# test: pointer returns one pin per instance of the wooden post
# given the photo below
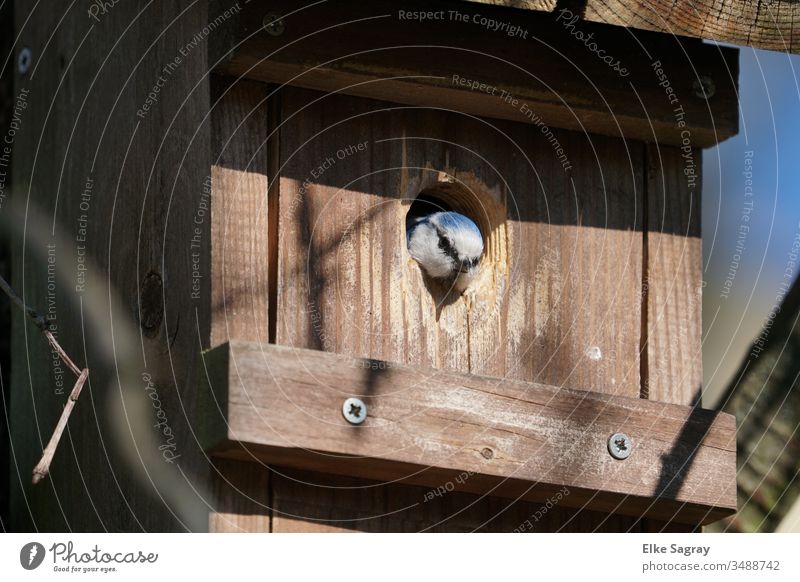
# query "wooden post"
(120, 176)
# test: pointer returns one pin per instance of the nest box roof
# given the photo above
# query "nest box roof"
(766, 25)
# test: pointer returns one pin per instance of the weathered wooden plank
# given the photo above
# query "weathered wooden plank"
(768, 25)
(673, 284)
(120, 178)
(534, 69)
(239, 212)
(558, 295)
(335, 503)
(241, 497)
(674, 279)
(6, 113)
(516, 439)
(574, 302)
(557, 301)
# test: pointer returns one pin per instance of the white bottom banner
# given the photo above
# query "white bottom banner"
(333, 557)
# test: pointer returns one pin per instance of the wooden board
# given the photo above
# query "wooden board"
(545, 312)
(765, 25)
(333, 503)
(239, 211)
(283, 405)
(674, 277)
(85, 86)
(238, 207)
(333, 293)
(6, 112)
(241, 497)
(673, 322)
(560, 289)
(542, 72)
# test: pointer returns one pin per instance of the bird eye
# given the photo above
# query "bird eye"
(444, 244)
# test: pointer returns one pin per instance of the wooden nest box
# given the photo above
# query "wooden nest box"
(579, 160)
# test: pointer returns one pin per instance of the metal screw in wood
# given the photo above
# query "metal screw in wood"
(354, 410)
(24, 59)
(273, 24)
(704, 87)
(620, 445)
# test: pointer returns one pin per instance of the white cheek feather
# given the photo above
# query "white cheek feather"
(467, 243)
(423, 246)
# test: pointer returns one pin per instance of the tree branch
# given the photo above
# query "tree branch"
(43, 466)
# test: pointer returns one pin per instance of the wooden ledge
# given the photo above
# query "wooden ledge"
(283, 406)
(534, 68)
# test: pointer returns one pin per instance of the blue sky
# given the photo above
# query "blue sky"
(770, 128)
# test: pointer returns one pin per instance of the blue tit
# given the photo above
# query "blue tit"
(447, 245)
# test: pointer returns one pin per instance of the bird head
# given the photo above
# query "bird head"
(447, 245)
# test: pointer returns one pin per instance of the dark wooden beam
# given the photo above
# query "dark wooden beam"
(536, 68)
(95, 150)
(283, 406)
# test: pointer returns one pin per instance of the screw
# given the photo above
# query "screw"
(273, 24)
(24, 60)
(620, 445)
(704, 87)
(487, 453)
(354, 411)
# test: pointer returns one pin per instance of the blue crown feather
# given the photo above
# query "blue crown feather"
(455, 220)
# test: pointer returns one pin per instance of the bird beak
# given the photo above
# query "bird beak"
(467, 266)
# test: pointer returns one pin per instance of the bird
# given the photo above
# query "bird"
(447, 245)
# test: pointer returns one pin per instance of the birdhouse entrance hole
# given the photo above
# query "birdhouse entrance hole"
(465, 194)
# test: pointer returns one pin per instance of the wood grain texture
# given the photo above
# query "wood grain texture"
(558, 294)
(85, 86)
(371, 50)
(542, 307)
(765, 25)
(515, 439)
(673, 284)
(240, 250)
(241, 496)
(6, 113)
(239, 211)
(674, 277)
(574, 301)
(334, 503)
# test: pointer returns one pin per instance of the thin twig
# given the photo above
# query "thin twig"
(61, 353)
(41, 470)
(38, 320)
(43, 467)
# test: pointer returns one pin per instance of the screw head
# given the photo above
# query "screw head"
(354, 410)
(24, 60)
(704, 87)
(273, 24)
(620, 445)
